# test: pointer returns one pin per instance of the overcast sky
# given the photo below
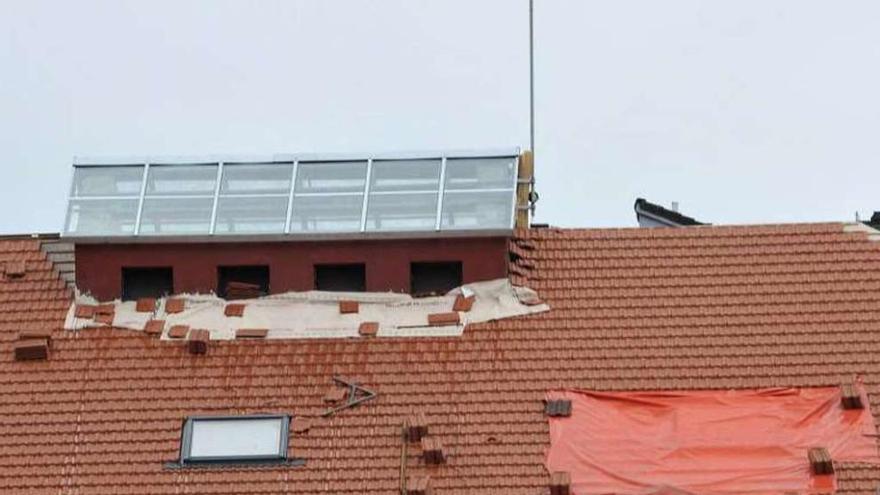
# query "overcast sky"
(745, 111)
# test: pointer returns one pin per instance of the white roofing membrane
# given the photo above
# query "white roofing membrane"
(316, 315)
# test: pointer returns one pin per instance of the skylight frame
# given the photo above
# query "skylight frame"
(186, 441)
(321, 226)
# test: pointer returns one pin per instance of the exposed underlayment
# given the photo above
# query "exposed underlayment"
(873, 234)
(316, 314)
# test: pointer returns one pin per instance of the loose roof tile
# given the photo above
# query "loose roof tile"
(15, 268)
(463, 303)
(631, 309)
(300, 425)
(368, 329)
(154, 327)
(174, 306)
(820, 461)
(560, 483)
(86, 311)
(416, 427)
(432, 451)
(236, 310)
(450, 318)
(104, 318)
(197, 341)
(105, 309)
(145, 305)
(419, 484)
(348, 307)
(251, 333)
(178, 331)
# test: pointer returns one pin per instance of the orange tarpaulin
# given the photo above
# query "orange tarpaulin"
(706, 442)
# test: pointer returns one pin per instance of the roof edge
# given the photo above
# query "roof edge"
(661, 215)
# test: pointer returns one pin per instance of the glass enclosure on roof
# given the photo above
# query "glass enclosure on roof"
(311, 195)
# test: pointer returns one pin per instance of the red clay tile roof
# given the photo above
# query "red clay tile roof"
(691, 308)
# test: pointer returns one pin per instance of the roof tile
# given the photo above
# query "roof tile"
(86, 311)
(145, 305)
(178, 331)
(197, 341)
(348, 307)
(368, 329)
(251, 333)
(631, 309)
(236, 310)
(175, 305)
(450, 318)
(104, 318)
(154, 327)
(463, 303)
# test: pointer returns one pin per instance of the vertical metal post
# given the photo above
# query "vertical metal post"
(140, 210)
(290, 197)
(216, 198)
(366, 203)
(440, 191)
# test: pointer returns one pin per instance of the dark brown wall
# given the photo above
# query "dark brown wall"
(291, 264)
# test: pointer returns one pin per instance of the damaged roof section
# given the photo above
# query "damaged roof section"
(315, 314)
(744, 441)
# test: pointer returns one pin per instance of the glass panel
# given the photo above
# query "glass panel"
(327, 213)
(327, 177)
(107, 181)
(179, 180)
(251, 215)
(402, 211)
(257, 179)
(480, 173)
(405, 175)
(176, 216)
(102, 217)
(236, 437)
(477, 210)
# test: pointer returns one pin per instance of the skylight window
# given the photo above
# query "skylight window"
(312, 195)
(232, 439)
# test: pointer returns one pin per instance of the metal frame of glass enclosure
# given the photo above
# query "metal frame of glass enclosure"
(293, 196)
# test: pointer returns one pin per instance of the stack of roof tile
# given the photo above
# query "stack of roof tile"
(690, 308)
(242, 290)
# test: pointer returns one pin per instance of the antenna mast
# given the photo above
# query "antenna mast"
(531, 76)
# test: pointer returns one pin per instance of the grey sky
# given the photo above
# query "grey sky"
(747, 111)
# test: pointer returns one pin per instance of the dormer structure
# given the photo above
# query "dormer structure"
(414, 223)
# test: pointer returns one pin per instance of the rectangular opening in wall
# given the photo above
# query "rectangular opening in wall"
(234, 439)
(242, 282)
(140, 282)
(350, 277)
(434, 278)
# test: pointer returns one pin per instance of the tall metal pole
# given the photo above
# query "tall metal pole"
(532, 76)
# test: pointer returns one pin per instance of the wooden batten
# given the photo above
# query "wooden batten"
(525, 174)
